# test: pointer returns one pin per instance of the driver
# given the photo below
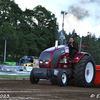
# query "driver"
(73, 48)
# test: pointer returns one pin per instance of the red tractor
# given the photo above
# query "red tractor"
(55, 65)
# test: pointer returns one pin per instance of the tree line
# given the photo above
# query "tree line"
(29, 32)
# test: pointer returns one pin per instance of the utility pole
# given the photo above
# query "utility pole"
(5, 38)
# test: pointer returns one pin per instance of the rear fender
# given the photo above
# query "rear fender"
(78, 56)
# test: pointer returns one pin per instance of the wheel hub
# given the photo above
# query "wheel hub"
(89, 72)
(64, 78)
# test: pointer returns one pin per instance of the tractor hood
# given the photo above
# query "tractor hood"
(53, 49)
(50, 57)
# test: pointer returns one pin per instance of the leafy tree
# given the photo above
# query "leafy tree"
(6, 30)
(46, 26)
(10, 15)
(40, 30)
(10, 12)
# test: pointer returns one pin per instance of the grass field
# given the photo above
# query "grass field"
(13, 76)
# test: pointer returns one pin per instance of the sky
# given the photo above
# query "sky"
(83, 15)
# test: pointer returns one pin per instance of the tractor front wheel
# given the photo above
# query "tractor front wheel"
(84, 72)
(62, 78)
(32, 79)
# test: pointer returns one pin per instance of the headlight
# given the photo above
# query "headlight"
(46, 62)
(41, 62)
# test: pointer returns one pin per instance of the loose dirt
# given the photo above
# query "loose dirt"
(11, 89)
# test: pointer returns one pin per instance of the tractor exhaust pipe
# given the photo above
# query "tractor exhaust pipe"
(56, 44)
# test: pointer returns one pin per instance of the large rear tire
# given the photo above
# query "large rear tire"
(84, 72)
(32, 79)
(62, 78)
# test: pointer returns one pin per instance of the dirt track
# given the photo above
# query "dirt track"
(24, 90)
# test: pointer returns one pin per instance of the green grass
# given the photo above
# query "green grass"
(13, 76)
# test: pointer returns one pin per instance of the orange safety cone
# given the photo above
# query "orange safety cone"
(97, 76)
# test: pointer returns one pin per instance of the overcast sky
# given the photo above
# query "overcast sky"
(83, 15)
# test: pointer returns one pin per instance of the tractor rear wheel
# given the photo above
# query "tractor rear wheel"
(32, 79)
(62, 78)
(84, 72)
